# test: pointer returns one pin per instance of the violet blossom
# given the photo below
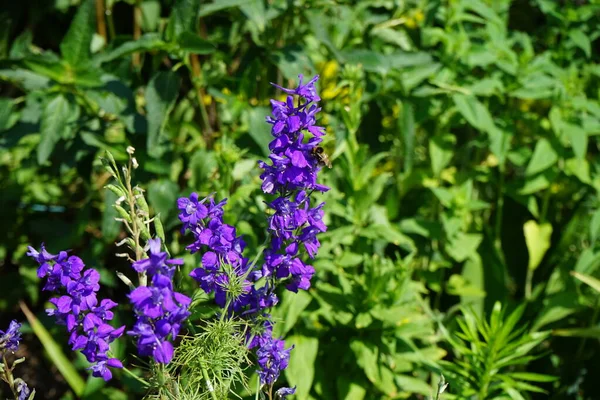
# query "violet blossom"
(78, 308)
(159, 310)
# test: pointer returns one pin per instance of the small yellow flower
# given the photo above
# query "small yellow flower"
(254, 101)
(330, 70)
(419, 16)
(207, 99)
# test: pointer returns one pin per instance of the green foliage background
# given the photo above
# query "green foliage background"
(463, 218)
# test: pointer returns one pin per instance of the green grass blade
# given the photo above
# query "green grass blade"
(54, 351)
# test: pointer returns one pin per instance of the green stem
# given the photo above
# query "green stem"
(499, 210)
(134, 376)
(209, 385)
(528, 283)
(9, 378)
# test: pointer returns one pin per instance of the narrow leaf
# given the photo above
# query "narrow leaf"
(54, 352)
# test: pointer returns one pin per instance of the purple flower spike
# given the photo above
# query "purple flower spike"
(77, 308)
(159, 309)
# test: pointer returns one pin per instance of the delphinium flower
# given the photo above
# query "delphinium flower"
(222, 251)
(293, 225)
(294, 222)
(292, 178)
(159, 310)
(78, 308)
(9, 342)
(9, 339)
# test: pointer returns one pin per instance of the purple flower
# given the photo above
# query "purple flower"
(77, 307)
(101, 370)
(160, 310)
(273, 358)
(284, 392)
(10, 339)
(23, 390)
(222, 252)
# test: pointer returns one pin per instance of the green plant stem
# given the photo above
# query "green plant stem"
(528, 283)
(134, 218)
(134, 376)
(209, 385)
(499, 210)
(9, 378)
(111, 23)
(591, 325)
(193, 64)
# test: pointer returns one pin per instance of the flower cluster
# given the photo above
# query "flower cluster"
(223, 250)
(272, 355)
(292, 176)
(10, 339)
(79, 309)
(293, 224)
(160, 311)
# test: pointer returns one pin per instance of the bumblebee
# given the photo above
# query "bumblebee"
(321, 156)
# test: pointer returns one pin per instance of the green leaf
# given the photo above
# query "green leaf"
(110, 227)
(588, 280)
(75, 46)
(184, 18)
(537, 238)
(161, 94)
(150, 15)
(148, 42)
(412, 385)
(543, 158)
(28, 80)
(595, 226)
(292, 305)
(293, 61)
(258, 129)
(582, 41)
(441, 149)
(255, 11)
(193, 43)
(407, 129)
(55, 353)
(162, 194)
(218, 5)
(464, 245)
(6, 108)
(578, 139)
(53, 127)
(301, 369)
(366, 357)
(578, 332)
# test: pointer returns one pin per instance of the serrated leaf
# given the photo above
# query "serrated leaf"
(161, 94)
(53, 127)
(75, 46)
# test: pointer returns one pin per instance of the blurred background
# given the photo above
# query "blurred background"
(463, 217)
